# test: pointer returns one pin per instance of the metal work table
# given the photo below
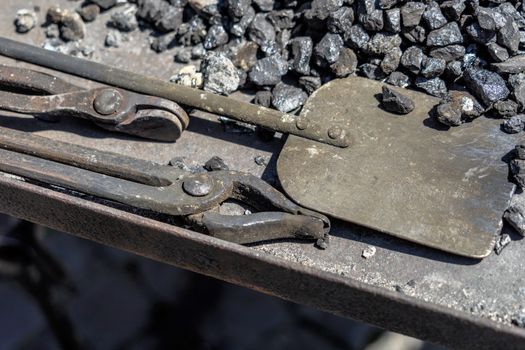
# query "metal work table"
(459, 302)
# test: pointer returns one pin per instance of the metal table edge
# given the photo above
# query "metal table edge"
(253, 269)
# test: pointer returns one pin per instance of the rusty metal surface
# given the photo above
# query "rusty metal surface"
(403, 175)
(405, 287)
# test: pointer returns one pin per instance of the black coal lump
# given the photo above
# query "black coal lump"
(302, 48)
(487, 86)
(395, 102)
(287, 98)
(327, 50)
(268, 71)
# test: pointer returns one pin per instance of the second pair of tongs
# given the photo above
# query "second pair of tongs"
(50, 98)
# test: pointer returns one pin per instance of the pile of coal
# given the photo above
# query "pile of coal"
(468, 53)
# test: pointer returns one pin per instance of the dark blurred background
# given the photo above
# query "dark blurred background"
(62, 292)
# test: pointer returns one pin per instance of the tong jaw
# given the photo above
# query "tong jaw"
(277, 216)
(111, 108)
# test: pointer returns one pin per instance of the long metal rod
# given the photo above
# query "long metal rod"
(221, 105)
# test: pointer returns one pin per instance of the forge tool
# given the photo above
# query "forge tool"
(195, 198)
(404, 176)
(50, 98)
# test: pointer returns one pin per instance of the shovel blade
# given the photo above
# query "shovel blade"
(402, 175)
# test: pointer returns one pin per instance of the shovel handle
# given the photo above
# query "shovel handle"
(194, 98)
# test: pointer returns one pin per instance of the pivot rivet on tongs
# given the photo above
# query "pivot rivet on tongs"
(197, 187)
(107, 101)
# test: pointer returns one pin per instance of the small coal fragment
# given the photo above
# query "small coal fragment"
(161, 43)
(71, 26)
(302, 48)
(287, 98)
(310, 84)
(497, 53)
(464, 102)
(215, 164)
(519, 319)
(412, 12)
(239, 28)
(219, 74)
(435, 86)
(346, 63)
(125, 19)
(454, 70)
(447, 114)
(340, 21)
(398, 79)
(515, 214)
(415, 35)
(382, 43)
(263, 98)
(449, 34)
(198, 51)
(448, 53)
(217, 36)
(391, 60)
(260, 160)
(488, 86)
(268, 71)
(283, 19)
(113, 39)
(368, 252)
(501, 243)
(393, 20)
(356, 37)
(25, 20)
(433, 17)
(505, 108)
(489, 18)
(52, 31)
(370, 15)
(517, 83)
(509, 36)
(479, 35)
(244, 56)
(433, 67)
(180, 163)
(183, 56)
(513, 125)
(517, 170)
(520, 151)
(372, 71)
(513, 65)
(261, 31)
(238, 8)
(328, 49)
(412, 59)
(395, 102)
(89, 12)
(453, 9)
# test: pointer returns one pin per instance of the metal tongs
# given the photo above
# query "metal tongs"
(50, 98)
(196, 198)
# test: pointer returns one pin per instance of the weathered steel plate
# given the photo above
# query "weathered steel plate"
(402, 175)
